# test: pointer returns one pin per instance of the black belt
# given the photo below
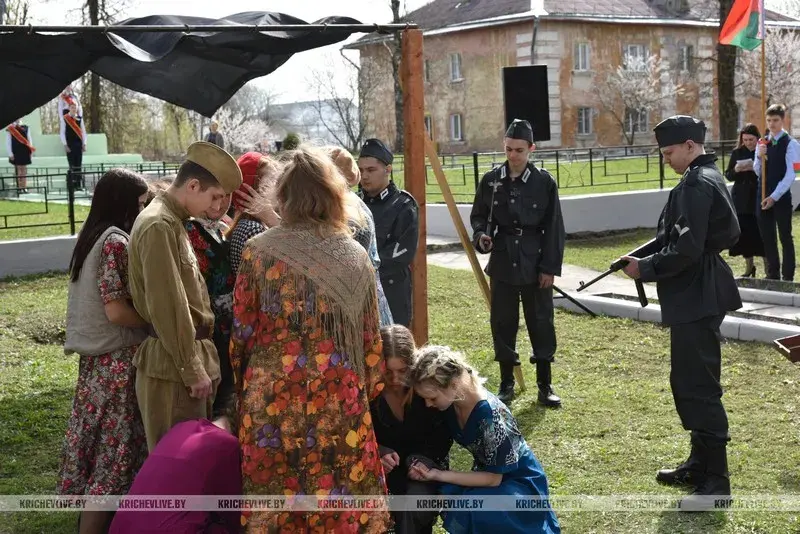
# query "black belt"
(201, 332)
(519, 230)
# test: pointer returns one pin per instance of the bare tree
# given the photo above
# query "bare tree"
(782, 61)
(253, 102)
(634, 89)
(340, 107)
(16, 11)
(726, 80)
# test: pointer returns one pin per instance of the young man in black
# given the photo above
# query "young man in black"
(696, 289)
(516, 216)
(396, 226)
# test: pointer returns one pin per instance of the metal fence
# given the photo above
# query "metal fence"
(589, 170)
(50, 187)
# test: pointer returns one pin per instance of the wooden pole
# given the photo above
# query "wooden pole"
(411, 69)
(764, 114)
(463, 236)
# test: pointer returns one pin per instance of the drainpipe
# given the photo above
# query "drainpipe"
(533, 39)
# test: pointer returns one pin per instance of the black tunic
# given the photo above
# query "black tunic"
(423, 431)
(527, 226)
(697, 223)
(21, 152)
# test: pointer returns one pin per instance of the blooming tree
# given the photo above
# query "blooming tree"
(782, 60)
(241, 134)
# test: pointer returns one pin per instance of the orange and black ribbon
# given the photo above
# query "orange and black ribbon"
(16, 134)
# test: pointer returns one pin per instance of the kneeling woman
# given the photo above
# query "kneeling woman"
(405, 428)
(503, 462)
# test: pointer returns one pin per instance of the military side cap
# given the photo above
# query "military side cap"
(679, 129)
(375, 148)
(219, 163)
(520, 129)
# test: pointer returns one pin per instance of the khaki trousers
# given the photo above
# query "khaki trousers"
(163, 404)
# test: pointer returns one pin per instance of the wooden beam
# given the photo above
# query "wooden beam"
(466, 242)
(411, 74)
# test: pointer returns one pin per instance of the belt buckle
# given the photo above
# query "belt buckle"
(517, 232)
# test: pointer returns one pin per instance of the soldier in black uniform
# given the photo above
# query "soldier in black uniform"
(517, 216)
(696, 289)
(396, 226)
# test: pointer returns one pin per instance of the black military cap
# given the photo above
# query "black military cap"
(520, 129)
(375, 148)
(679, 129)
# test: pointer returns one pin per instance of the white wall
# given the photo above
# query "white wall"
(585, 213)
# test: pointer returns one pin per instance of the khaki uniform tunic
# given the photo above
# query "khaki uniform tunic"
(169, 293)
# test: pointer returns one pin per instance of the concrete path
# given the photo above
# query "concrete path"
(598, 298)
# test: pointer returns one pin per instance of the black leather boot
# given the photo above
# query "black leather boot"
(715, 491)
(544, 377)
(690, 473)
(506, 393)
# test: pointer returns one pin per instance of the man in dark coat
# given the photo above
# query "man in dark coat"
(696, 288)
(396, 226)
(516, 216)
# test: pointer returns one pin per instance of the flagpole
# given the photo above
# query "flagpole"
(764, 110)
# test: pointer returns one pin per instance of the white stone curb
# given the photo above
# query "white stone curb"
(732, 327)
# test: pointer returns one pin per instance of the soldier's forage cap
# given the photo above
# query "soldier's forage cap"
(520, 129)
(375, 148)
(679, 129)
(218, 162)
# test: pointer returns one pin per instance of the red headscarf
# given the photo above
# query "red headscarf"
(248, 164)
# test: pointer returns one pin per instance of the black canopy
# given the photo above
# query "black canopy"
(198, 70)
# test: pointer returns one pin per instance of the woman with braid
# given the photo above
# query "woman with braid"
(503, 464)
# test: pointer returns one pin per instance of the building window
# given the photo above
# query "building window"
(581, 58)
(427, 73)
(636, 120)
(584, 121)
(455, 68)
(634, 57)
(456, 133)
(685, 58)
(429, 126)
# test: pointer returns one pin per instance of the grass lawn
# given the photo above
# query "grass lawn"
(617, 427)
(598, 252)
(15, 213)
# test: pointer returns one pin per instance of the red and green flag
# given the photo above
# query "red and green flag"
(744, 26)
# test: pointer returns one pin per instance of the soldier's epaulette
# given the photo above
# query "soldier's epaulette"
(409, 195)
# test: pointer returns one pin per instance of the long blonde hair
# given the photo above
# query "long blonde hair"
(312, 192)
(346, 166)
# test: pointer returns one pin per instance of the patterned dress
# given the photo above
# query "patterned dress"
(242, 232)
(213, 259)
(306, 355)
(105, 443)
(492, 437)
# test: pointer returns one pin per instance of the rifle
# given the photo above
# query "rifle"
(640, 252)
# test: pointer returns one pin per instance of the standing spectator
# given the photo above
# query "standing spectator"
(306, 357)
(745, 195)
(73, 137)
(215, 136)
(19, 145)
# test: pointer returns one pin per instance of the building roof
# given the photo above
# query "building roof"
(456, 15)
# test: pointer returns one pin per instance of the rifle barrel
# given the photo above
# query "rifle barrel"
(583, 285)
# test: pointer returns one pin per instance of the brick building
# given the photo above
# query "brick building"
(467, 42)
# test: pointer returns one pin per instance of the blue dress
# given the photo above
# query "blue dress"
(497, 446)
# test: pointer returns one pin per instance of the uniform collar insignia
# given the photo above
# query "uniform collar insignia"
(503, 172)
(384, 193)
(525, 176)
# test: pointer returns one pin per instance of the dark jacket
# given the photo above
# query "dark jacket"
(698, 222)
(526, 224)
(745, 184)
